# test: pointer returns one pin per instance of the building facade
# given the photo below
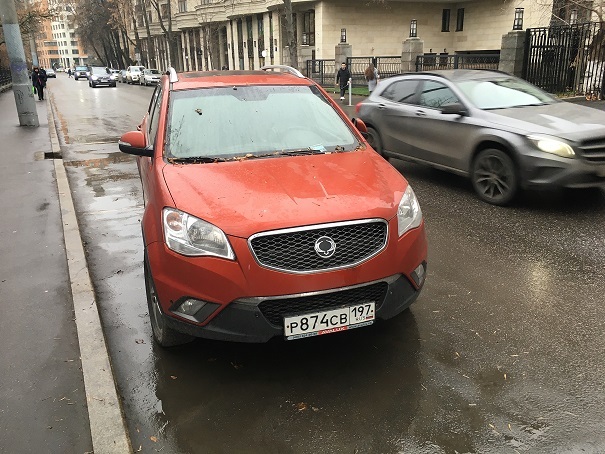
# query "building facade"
(246, 34)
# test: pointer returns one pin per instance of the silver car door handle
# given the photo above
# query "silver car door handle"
(420, 113)
(381, 106)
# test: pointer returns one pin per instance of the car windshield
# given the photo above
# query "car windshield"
(154, 71)
(98, 70)
(81, 68)
(254, 120)
(503, 93)
(135, 70)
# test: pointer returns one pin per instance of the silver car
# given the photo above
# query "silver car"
(502, 132)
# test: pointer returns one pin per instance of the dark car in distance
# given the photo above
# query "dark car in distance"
(81, 72)
(501, 131)
(101, 76)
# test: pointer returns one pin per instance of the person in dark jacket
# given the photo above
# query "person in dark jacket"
(39, 81)
(342, 78)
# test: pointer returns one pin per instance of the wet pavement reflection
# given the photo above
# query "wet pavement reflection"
(501, 353)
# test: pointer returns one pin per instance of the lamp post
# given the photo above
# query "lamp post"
(343, 35)
(413, 28)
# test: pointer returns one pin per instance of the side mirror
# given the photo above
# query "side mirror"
(454, 109)
(361, 127)
(133, 142)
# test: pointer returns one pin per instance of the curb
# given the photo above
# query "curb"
(107, 423)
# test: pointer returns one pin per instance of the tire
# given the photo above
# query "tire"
(375, 141)
(113, 85)
(494, 177)
(163, 335)
(76, 78)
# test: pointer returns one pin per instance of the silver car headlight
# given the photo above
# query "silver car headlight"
(94, 77)
(409, 214)
(188, 235)
(552, 145)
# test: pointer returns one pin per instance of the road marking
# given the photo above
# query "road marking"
(107, 424)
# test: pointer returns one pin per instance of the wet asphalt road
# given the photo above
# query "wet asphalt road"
(502, 352)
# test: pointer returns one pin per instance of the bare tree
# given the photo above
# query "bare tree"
(291, 40)
(171, 37)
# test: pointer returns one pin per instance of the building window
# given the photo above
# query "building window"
(250, 39)
(182, 6)
(164, 10)
(74, 51)
(308, 35)
(149, 17)
(445, 20)
(261, 34)
(460, 20)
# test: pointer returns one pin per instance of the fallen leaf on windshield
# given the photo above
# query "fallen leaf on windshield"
(301, 406)
(173, 377)
(154, 439)
(236, 366)
(140, 341)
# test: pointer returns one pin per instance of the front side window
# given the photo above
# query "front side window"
(436, 95)
(402, 91)
(154, 114)
(254, 120)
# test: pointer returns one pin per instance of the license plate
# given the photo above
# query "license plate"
(327, 322)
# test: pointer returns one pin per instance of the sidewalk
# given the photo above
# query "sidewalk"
(43, 406)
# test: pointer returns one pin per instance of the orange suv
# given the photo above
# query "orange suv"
(267, 213)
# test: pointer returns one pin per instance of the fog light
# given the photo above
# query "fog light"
(419, 274)
(190, 307)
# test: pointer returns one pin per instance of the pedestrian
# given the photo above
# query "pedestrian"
(69, 72)
(39, 81)
(372, 77)
(343, 77)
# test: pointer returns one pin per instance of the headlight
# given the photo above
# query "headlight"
(409, 214)
(551, 145)
(112, 77)
(94, 77)
(191, 236)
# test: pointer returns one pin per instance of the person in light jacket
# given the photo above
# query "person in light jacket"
(371, 74)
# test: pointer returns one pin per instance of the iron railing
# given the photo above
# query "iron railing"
(431, 62)
(322, 71)
(568, 59)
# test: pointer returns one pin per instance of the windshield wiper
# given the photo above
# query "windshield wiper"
(196, 160)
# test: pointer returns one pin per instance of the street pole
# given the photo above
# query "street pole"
(22, 87)
(32, 45)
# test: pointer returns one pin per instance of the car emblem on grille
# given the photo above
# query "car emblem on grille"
(325, 247)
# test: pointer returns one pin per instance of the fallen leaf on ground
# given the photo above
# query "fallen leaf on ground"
(301, 406)
(154, 439)
(173, 377)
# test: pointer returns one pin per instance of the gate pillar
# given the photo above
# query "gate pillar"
(512, 53)
(412, 48)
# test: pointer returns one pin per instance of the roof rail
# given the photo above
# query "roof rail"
(285, 68)
(171, 72)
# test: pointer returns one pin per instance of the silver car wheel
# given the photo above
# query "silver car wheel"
(494, 177)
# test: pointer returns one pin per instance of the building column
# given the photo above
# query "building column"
(196, 46)
(221, 45)
(512, 53)
(412, 48)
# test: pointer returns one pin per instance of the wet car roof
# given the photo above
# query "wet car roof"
(228, 78)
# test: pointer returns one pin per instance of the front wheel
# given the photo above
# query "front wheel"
(162, 333)
(375, 141)
(494, 177)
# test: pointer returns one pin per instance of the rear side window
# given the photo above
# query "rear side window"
(402, 91)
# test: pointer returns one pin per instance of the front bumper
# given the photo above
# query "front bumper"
(244, 321)
(238, 292)
(541, 169)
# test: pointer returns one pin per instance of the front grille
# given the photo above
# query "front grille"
(593, 150)
(294, 250)
(275, 310)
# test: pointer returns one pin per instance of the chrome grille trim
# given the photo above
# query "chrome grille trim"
(320, 227)
(593, 150)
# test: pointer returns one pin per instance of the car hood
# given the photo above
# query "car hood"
(250, 196)
(562, 119)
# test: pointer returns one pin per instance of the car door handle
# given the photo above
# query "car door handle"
(381, 106)
(420, 113)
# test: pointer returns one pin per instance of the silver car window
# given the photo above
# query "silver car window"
(435, 95)
(402, 91)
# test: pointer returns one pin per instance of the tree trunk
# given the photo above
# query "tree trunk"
(150, 42)
(137, 38)
(290, 36)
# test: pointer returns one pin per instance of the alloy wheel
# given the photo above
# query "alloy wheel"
(494, 177)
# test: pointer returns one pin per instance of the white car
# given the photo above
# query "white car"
(150, 77)
(133, 74)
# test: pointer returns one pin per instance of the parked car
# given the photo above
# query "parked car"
(100, 75)
(122, 76)
(50, 73)
(502, 132)
(267, 213)
(150, 77)
(60, 69)
(115, 73)
(133, 74)
(81, 72)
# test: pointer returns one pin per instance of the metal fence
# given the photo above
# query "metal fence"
(322, 71)
(566, 59)
(431, 62)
